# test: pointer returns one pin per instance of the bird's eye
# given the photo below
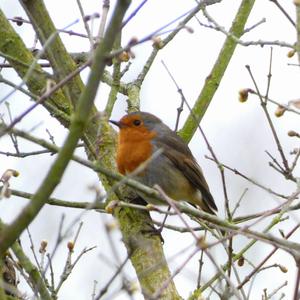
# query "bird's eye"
(136, 122)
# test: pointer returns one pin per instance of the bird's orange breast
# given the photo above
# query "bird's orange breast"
(134, 147)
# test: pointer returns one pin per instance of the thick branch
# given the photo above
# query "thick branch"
(61, 62)
(85, 105)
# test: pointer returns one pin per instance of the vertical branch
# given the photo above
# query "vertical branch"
(2, 291)
(297, 5)
(297, 283)
(201, 263)
(116, 76)
(105, 9)
(179, 90)
(277, 141)
(269, 76)
(86, 25)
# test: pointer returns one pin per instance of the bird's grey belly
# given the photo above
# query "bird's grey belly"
(163, 173)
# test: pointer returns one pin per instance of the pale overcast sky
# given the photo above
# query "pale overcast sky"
(238, 133)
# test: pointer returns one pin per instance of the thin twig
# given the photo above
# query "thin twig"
(258, 267)
(235, 171)
(172, 204)
(237, 205)
(70, 32)
(269, 74)
(295, 161)
(245, 43)
(286, 107)
(135, 11)
(284, 12)
(277, 141)
(45, 96)
(59, 238)
(297, 283)
(51, 272)
(179, 90)
(86, 25)
(111, 280)
(11, 134)
(26, 154)
(279, 167)
(105, 9)
(33, 250)
(269, 296)
(201, 263)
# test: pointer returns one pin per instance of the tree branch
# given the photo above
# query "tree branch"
(80, 118)
(32, 271)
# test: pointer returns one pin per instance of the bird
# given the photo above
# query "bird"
(175, 170)
(9, 277)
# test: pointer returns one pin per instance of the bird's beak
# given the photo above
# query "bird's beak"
(116, 123)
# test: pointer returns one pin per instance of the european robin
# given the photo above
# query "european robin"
(175, 170)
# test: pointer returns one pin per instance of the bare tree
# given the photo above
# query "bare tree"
(51, 78)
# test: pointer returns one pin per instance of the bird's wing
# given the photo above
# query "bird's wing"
(180, 155)
(194, 174)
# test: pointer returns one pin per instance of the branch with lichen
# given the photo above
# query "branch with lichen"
(61, 62)
(140, 256)
(134, 218)
(115, 84)
(85, 104)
